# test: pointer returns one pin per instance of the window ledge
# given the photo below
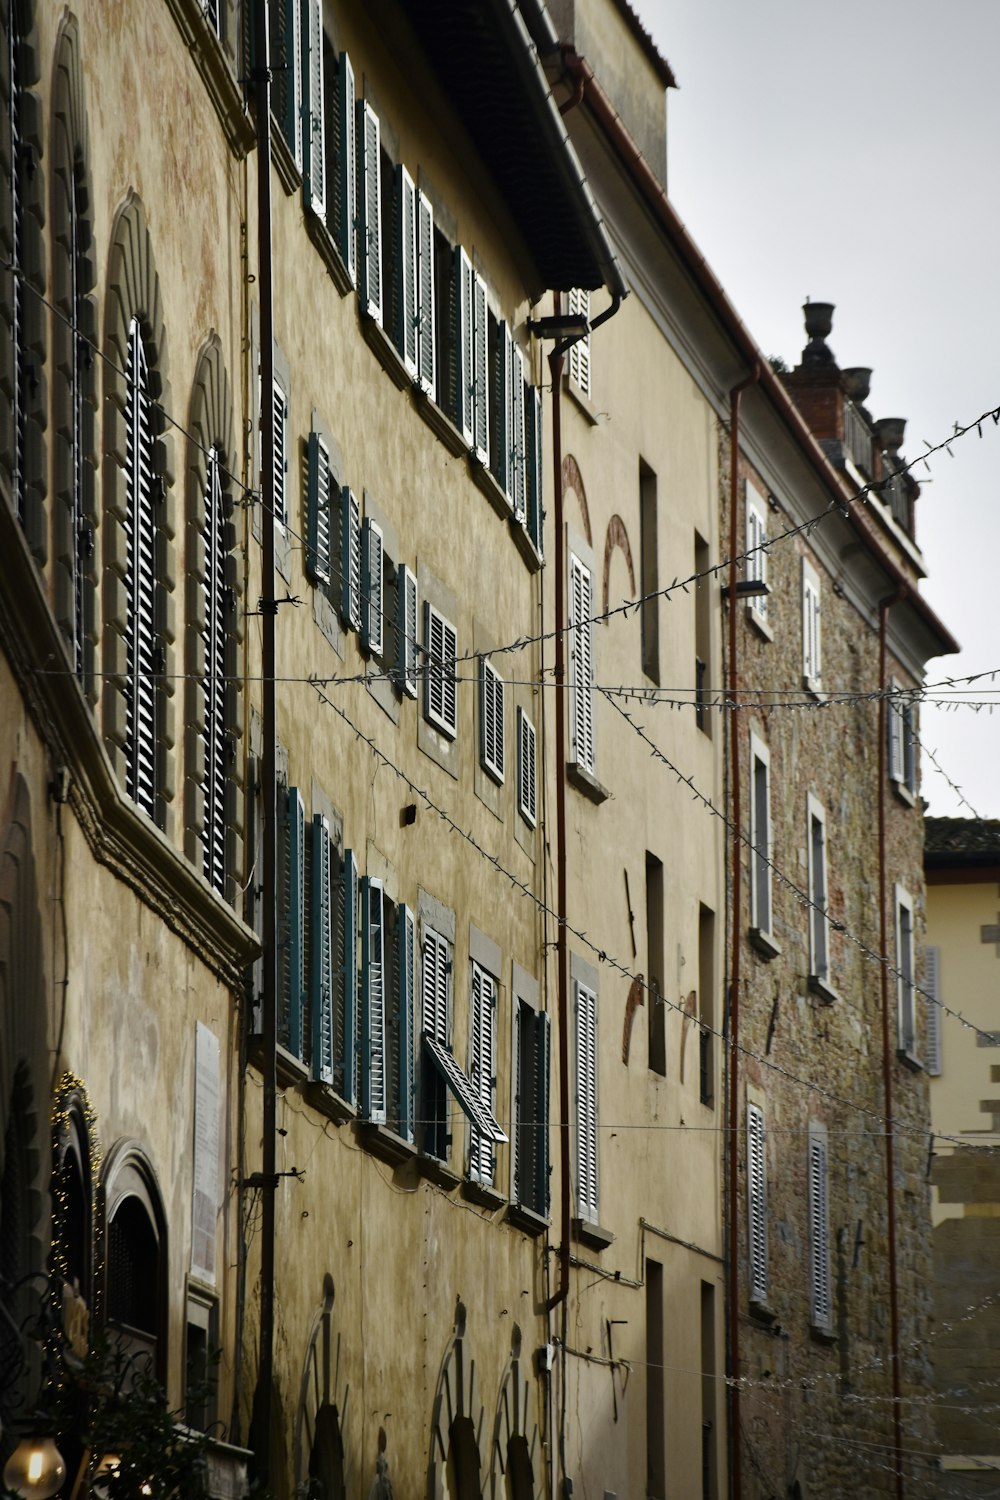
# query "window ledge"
(385, 350)
(761, 1312)
(764, 943)
(324, 1098)
(814, 685)
(822, 1335)
(329, 253)
(586, 782)
(438, 421)
(909, 1059)
(903, 792)
(291, 1069)
(284, 161)
(384, 1143)
(592, 1234)
(582, 400)
(490, 486)
(819, 987)
(438, 1171)
(759, 623)
(485, 1196)
(526, 1219)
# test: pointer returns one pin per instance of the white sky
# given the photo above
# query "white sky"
(851, 155)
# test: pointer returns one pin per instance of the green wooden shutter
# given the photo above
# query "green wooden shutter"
(319, 553)
(350, 559)
(406, 630)
(373, 1091)
(542, 1051)
(407, 293)
(321, 943)
(481, 371)
(345, 1061)
(370, 209)
(348, 168)
(427, 328)
(371, 611)
(292, 933)
(315, 122)
(405, 934)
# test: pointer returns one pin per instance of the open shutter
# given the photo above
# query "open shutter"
(465, 346)
(932, 986)
(315, 132)
(140, 539)
(406, 270)
(505, 356)
(442, 650)
(345, 1065)
(213, 634)
(406, 630)
(518, 447)
(434, 988)
(348, 169)
(819, 1233)
(370, 210)
(811, 645)
(371, 612)
(319, 555)
(482, 1064)
(756, 567)
(540, 1201)
(894, 730)
(321, 966)
(426, 338)
(581, 670)
(586, 1096)
(579, 352)
(293, 935)
(481, 371)
(350, 559)
(535, 513)
(757, 1204)
(526, 774)
(280, 419)
(373, 1100)
(491, 721)
(405, 938)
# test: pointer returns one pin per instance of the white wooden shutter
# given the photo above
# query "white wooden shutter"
(348, 168)
(491, 721)
(581, 666)
(371, 613)
(406, 271)
(756, 567)
(350, 559)
(905, 990)
(140, 542)
(289, 22)
(519, 447)
(370, 210)
(505, 358)
(819, 1233)
(373, 1081)
(811, 640)
(579, 353)
(535, 516)
(894, 729)
(481, 1068)
(932, 986)
(465, 350)
(586, 1104)
(321, 978)
(427, 328)
(213, 634)
(320, 550)
(757, 1203)
(315, 135)
(280, 471)
(441, 705)
(406, 630)
(434, 987)
(526, 774)
(819, 929)
(481, 368)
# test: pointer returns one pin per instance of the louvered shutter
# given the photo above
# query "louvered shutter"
(319, 555)
(894, 730)
(579, 352)
(505, 353)
(757, 561)
(406, 630)
(811, 646)
(291, 39)
(442, 649)
(370, 210)
(345, 1054)
(535, 517)
(757, 1204)
(519, 447)
(761, 838)
(905, 978)
(315, 135)
(405, 931)
(213, 633)
(526, 775)
(373, 1091)
(140, 541)
(18, 161)
(371, 610)
(540, 1201)
(292, 938)
(481, 371)
(932, 986)
(491, 722)
(348, 168)
(434, 988)
(520, 1153)
(407, 297)
(280, 453)
(465, 346)
(350, 559)
(586, 1104)
(427, 328)
(817, 863)
(581, 666)
(481, 1069)
(819, 1234)
(321, 976)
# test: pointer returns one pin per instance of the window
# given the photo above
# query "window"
(482, 1068)
(932, 988)
(314, 134)
(531, 1108)
(416, 318)
(143, 649)
(441, 645)
(350, 559)
(214, 687)
(201, 1340)
(709, 1394)
(510, 417)
(756, 563)
(441, 1072)
(812, 660)
(585, 1061)
(820, 1312)
(905, 978)
(760, 841)
(578, 356)
(491, 720)
(333, 962)
(902, 747)
(370, 210)
(655, 1006)
(472, 357)
(819, 922)
(535, 518)
(406, 630)
(319, 556)
(649, 572)
(581, 665)
(374, 593)
(656, 1466)
(135, 1260)
(757, 1204)
(526, 773)
(348, 175)
(291, 921)
(287, 74)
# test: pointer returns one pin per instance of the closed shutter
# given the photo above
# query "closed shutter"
(481, 1068)
(586, 1104)
(519, 448)
(371, 611)
(819, 1233)
(292, 936)
(757, 1203)
(908, 734)
(526, 774)
(348, 169)
(932, 986)
(491, 722)
(373, 1092)
(321, 977)
(441, 688)
(435, 965)
(406, 270)
(427, 336)
(405, 956)
(535, 507)
(406, 630)
(505, 358)
(280, 453)
(481, 371)
(287, 69)
(345, 1040)
(213, 632)
(581, 665)
(370, 210)
(540, 1197)
(315, 141)
(18, 162)
(319, 555)
(465, 351)
(905, 988)
(579, 352)
(350, 559)
(140, 539)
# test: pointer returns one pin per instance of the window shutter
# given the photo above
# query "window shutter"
(818, 895)
(757, 1203)
(932, 985)
(321, 938)
(280, 453)
(579, 353)
(491, 720)
(811, 652)
(760, 835)
(405, 929)
(481, 1069)
(406, 630)
(434, 988)
(586, 1095)
(315, 135)
(535, 471)
(373, 1100)
(320, 519)
(905, 979)
(908, 730)
(350, 559)
(894, 730)
(757, 561)
(541, 1119)
(519, 449)
(370, 210)
(406, 269)
(427, 352)
(465, 351)
(481, 369)
(819, 1233)
(345, 1065)
(526, 786)
(371, 613)
(214, 701)
(441, 688)
(581, 666)
(348, 169)
(505, 359)
(140, 540)
(293, 935)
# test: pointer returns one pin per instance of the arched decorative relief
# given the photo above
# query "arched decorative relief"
(617, 537)
(572, 479)
(322, 1465)
(128, 1174)
(458, 1454)
(517, 1470)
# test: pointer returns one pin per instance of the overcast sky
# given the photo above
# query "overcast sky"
(851, 156)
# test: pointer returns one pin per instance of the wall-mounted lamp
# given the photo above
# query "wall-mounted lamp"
(560, 326)
(35, 1469)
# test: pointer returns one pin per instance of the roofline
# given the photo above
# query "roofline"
(702, 274)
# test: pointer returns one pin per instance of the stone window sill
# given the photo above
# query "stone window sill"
(903, 792)
(592, 1234)
(822, 1335)
(385, 1143)
(759, 623)
(483, 1194)
(586, 782)
(526, 1219)
(909, 1059)
(324, 1098)
(764, 943)
(824, 991)
(438, 1171)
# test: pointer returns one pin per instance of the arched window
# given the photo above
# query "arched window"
(143, 650)
(135, 1259)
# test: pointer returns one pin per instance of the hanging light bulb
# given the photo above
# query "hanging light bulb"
(35, 1469)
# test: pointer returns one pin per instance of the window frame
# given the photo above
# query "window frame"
(440, 682)
(492, 720)
(757, 558)
(527, 769)
(812, 628)
(906, 978)
(819, 897)
(761, 883)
